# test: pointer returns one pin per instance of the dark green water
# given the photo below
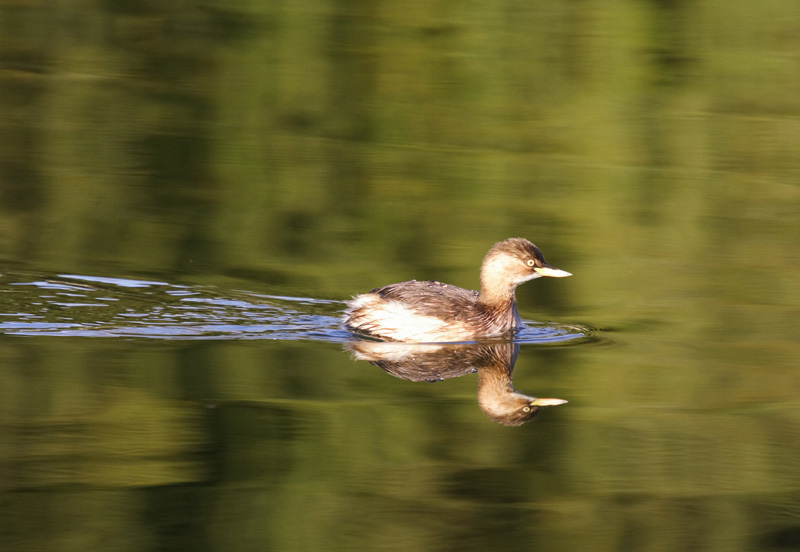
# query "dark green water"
(189, 190)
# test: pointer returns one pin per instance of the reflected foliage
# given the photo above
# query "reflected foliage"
(318, 149)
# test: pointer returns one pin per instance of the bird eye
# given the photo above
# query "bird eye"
(526, 408)
(531, 262)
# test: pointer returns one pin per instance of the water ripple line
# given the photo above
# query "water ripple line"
(72, 305)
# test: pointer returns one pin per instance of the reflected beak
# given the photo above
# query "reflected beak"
(547, 402)
(551, 271)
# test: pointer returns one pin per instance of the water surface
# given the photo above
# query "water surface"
(188, 193)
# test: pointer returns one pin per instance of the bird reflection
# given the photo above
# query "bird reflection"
(494, 363)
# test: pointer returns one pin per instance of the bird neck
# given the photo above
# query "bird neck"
(496, 291)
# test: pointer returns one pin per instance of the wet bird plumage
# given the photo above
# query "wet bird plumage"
(436, 312)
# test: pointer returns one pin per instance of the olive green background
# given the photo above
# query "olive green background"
(320, 149)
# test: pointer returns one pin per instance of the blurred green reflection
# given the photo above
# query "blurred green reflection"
(317, 149)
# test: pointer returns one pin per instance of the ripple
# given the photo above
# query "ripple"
(544, 333)
(72, 305)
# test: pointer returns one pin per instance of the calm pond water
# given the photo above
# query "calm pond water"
(189, 192)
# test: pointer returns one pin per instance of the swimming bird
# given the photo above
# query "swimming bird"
(428, 312)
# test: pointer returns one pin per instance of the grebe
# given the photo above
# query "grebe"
(425, 312)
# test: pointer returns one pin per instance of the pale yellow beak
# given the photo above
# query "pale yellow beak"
(551, 271)
(547, 402)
